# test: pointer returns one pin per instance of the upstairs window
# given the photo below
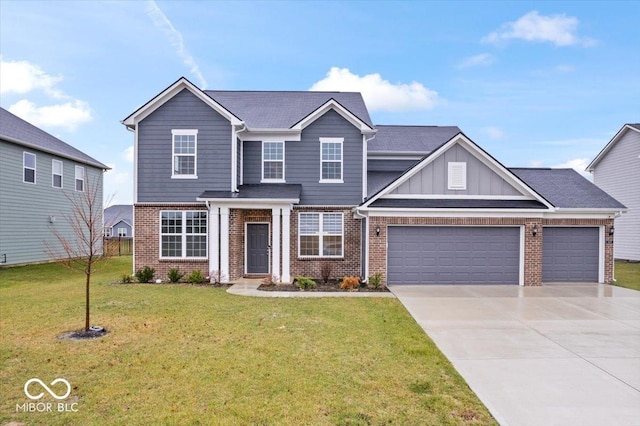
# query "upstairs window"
(29, 167)
(56, 173)
(79, 178)
(457, 176)
(273, 161)
(122, 232)
(185, 153)
(331, 160)
(107, 232)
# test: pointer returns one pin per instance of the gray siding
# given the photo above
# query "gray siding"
(390, 165)
(25, 208)
(618, 174)
(183, 111)
(121, 224)
(302, 162)
(432, 179)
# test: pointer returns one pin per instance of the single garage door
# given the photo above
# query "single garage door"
(570, 254)
(453, 255)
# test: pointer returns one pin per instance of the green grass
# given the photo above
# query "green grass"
(627, 274)
(180, 354)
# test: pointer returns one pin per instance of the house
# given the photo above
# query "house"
(118, 221)
(39, 175)
(616, 169)
(254, 183)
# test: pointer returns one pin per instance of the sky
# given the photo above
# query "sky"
(536, 84)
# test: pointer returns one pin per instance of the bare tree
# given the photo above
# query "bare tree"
(81, 246)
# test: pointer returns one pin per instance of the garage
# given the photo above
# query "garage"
(570, 254)
(453, 255)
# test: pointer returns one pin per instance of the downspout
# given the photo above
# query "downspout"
(365, 188)
(234, 157)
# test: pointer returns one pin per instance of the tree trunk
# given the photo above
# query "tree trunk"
(86, 316)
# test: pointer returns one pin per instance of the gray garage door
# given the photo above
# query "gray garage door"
(570, 255)
(453, 255)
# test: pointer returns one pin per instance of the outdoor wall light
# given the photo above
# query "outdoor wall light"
(611, 231)
(378, 231)
(534, 232)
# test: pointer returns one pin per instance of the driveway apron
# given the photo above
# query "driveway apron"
(561, 354)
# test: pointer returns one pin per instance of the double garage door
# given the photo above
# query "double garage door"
(486, 255)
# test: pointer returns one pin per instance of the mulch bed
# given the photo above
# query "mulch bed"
(333, 287)
(83, 335)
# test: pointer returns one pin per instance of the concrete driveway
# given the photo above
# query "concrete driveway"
(553, 355)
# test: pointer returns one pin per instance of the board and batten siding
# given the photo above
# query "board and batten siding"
(618, 174)
(302, 162)
(26, 209)
(155, 156)
(432, 179)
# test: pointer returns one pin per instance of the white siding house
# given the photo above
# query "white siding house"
(616, 170)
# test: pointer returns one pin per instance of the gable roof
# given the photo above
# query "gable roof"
(284, 109)
(119, 212)
(485, 157)
(629, 126)
(16, 130)
(567, 189)
(410, 139)
(179, 85)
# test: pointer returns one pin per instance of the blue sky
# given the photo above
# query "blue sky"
(533, 83)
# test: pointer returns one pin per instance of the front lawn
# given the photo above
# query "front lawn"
(627, 274)
(180, 354)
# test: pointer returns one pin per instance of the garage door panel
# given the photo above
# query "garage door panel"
(570, 254)
(449, 255)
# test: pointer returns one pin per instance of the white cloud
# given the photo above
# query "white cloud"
(536, 163)
(578, 164)
(483, 59)
(557, 29)
(379, 94)
(127, 154)
(493, 132)
(68, 115)
(161, 21)
(23, 77)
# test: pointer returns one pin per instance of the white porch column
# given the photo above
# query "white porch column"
(286, 245)
(214, 240)
(224, 244)
(275, 242)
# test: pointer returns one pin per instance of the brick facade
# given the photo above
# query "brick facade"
(349, 265)
(237, 220)
(532, 244)
(147, 241)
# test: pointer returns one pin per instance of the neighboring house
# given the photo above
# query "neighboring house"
(616, 169)
(246, 183)
(38, 175)
(118, 221)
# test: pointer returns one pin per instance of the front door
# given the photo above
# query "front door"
(257, 248)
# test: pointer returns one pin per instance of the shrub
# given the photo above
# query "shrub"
(126, 279)
(305, 283)
(325, 271)
(375, 280)
(350, 283)
(195, 277)
(175, 275)
(145, 275)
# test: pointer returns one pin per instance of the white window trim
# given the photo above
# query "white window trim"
(341, 142)
(188, 132)
(122, 231)
(263, 180)
(34, 168)
(107, 232)
(321, 237)
(54, 174)
(456, 169)
(83, 179)
(183, 235)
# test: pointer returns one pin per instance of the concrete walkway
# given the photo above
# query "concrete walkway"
(551, 355)
(250, 288)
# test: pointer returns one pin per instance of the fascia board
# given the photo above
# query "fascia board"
(336, 106)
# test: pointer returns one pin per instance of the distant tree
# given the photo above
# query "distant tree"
(81, 246)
